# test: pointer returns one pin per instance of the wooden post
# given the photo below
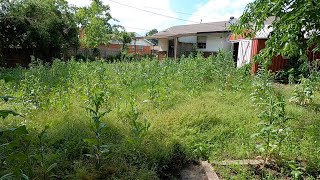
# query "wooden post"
(135, 46)
(175, 47)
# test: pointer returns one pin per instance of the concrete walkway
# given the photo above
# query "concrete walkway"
(239, 162)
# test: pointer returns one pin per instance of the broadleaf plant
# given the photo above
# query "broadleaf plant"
(96, 103)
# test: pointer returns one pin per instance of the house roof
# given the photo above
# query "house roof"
(136, 40)
(262, 34)
(140, 40)
(269, 20)
(192, 29)
(266, 30)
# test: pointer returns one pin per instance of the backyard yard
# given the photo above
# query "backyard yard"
(149, 119)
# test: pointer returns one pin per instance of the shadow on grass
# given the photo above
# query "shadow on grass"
(149, 159)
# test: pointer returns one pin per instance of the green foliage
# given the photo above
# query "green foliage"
(14, 145)
(294, 29)
(125, 38)
(6, 113)
(303, 93)
(45, 169)
(96, 102)
(296, 171)
(293, 71)
(153, 32)
(138, 129)
(165, 115)
(273, 125)
(94, 22)
(45, 26)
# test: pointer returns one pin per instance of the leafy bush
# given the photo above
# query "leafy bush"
(303, 93)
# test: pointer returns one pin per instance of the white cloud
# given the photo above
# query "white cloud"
(219, 10)
(135, 20)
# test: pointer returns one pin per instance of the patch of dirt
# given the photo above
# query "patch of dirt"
(193, 172)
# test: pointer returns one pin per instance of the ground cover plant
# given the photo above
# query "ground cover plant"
(148, 119)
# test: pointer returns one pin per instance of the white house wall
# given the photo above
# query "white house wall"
(140, 42)
(163, 44)
(214, 42)
(264, 33)
(217, 42)
(188, 39)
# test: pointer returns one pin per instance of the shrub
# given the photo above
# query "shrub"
(303, 93)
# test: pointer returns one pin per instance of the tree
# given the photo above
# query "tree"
(94, 22)
(125, 38)
(295, 30)
(150, 33)
(39, 27)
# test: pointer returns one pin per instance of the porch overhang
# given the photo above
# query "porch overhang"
(170, 36)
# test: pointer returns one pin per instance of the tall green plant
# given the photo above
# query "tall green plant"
(14, 153)
(44, 168)
(96, 103)
(272, 114)
(138, 129)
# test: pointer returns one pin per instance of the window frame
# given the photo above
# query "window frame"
(201, 42)
(141, 48)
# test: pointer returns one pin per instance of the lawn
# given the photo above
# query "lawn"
(147, 120)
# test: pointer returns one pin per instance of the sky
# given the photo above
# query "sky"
(163, 14)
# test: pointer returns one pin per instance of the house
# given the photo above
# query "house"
(138, 45)
(244, 49)
(206, 37)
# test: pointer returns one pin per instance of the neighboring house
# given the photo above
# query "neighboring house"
(207, 37)
(139, 45)
(244, 49)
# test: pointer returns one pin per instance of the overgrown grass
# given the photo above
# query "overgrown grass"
(163, 115)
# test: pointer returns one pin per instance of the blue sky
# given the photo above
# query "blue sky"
(135, 20)
(188, 5)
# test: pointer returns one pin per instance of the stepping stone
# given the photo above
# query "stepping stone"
(203, 171)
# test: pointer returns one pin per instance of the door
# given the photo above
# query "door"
(235, 52)
(244, 54)
(171, 49)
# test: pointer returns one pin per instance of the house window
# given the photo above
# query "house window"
(140, 48)
(202, 42)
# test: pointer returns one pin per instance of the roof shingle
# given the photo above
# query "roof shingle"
(193, 29)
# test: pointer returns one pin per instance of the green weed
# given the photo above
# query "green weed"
(165, 114)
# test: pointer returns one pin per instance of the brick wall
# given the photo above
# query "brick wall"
(162, 55)
(143, 50)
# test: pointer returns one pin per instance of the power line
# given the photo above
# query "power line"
(179, 12)
(153, 12)
(136, 28)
